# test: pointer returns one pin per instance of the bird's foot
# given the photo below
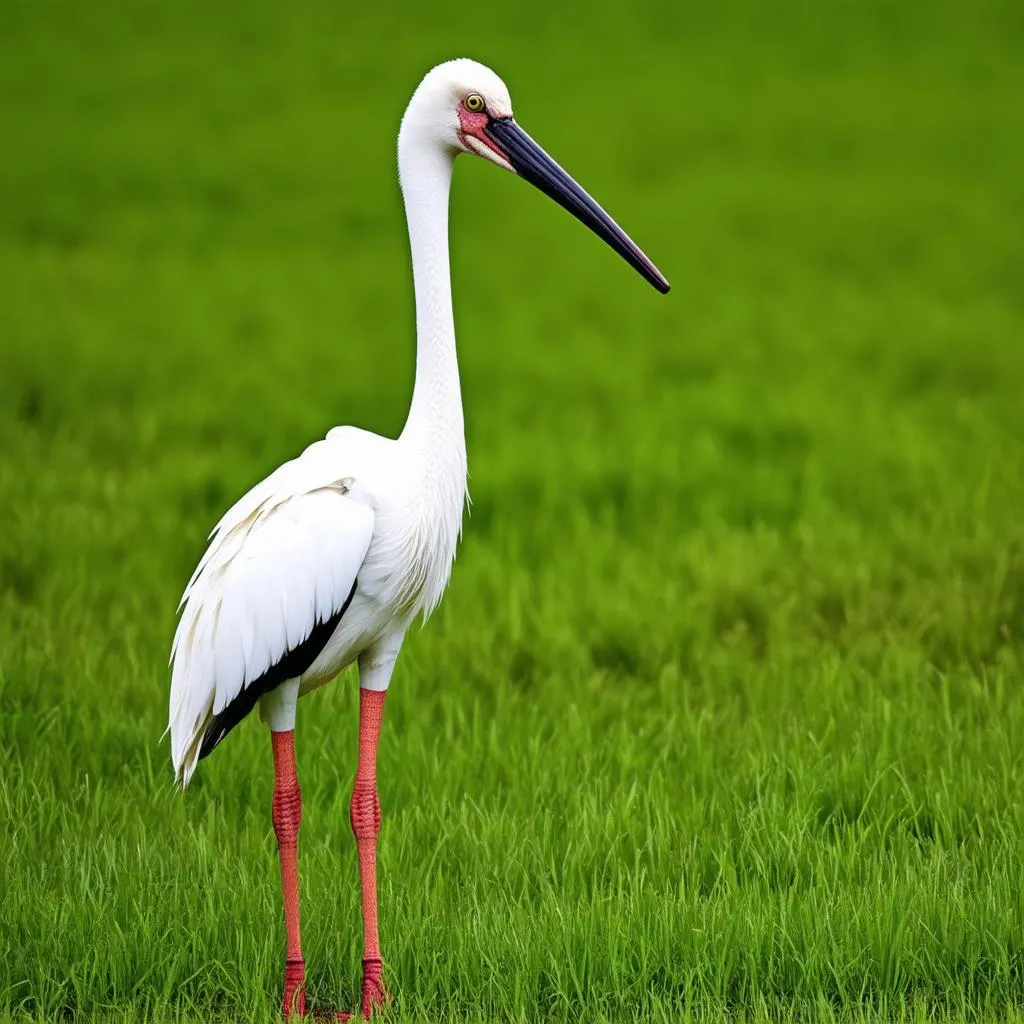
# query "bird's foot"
(375, 994)
(293, 1006)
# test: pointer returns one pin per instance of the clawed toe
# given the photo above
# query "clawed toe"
(375, 995)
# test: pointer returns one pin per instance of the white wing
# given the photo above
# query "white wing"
(282, 560)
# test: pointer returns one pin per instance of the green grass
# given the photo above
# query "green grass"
(722, 717)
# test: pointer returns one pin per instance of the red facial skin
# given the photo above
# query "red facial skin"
(473, 123)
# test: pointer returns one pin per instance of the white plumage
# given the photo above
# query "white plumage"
(283, 559)
(360, 522)
(350, 511)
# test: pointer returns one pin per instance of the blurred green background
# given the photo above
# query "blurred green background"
(722, 715)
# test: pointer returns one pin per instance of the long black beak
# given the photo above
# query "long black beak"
(533, 164)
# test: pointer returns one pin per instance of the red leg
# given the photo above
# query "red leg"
(287, 812)
(365, 816)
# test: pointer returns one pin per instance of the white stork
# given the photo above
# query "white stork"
(329, 559)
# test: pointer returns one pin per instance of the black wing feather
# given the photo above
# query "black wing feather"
(294, 663)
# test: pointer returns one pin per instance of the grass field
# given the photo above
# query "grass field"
(722, 717)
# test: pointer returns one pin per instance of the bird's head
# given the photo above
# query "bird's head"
(462, 106)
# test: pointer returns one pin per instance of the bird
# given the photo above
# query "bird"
(328, 560)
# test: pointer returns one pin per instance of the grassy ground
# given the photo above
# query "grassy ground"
(722, 715)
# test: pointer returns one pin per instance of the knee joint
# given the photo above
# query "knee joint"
(364, 811)
(286, 811)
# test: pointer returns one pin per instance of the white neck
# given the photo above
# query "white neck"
(435, 422)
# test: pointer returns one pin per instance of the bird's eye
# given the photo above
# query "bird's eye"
(474, 103)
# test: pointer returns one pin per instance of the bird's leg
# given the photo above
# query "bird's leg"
(365, 816)
(287, 813)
